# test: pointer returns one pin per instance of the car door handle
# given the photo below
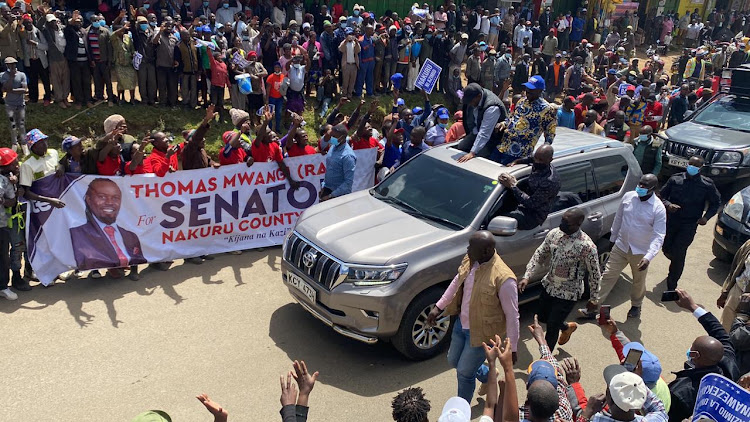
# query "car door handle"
(595, 216)
(541, 234)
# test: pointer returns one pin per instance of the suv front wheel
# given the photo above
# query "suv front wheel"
(415, 339)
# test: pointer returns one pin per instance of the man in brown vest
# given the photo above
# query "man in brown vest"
(485, 297)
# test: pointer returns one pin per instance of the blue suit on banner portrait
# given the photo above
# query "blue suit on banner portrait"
(366, 66)
(93, 248)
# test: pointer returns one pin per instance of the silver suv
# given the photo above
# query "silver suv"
(373, 263)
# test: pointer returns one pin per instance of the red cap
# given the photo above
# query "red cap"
(584, 41)
(7, 156)
(407, 20)
(227, 136)
(252, 54)
(399, 130)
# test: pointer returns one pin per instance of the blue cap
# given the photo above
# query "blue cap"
(612, 71)
(400, 102)
(650, 364)
(206, 28)
(34, 136)
(535, 82)
(542, 370)
(349, 30)
(442, 113)
(396, 80)
(416, 110)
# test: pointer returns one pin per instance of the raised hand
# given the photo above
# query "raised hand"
(288, 390)
(214, 408)
(572, 370)
(305, 380)
(536, 330)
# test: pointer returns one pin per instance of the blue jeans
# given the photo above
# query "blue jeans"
(467, 360)
(278, 104)
(364, 76)
(324, 107)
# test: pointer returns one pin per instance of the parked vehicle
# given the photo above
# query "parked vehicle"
(372, 264)
(720, 133)
(732, 226)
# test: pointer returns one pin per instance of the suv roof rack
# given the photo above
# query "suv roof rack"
(589, 147)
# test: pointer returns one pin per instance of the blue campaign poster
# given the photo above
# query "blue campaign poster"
(721, 400)
(428, 76)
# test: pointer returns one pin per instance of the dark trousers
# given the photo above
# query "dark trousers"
(676, 243)
(147, 83)
(102, 76)
(35, 72)
(468, 142)
(80, 81)
(553, 311)
(204, 89)
(166, 81)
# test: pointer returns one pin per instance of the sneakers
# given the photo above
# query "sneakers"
(585, 314)
(95, 274)
(565, 335)
(23, 286)
(134, 276)
(8, 294)
(634, 312)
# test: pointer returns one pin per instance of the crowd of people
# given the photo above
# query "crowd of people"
(510, 77)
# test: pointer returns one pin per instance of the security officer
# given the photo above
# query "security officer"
(685, 196)
(366, 63)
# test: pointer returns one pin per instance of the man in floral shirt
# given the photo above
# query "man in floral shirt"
(572, 257)
(532, 116)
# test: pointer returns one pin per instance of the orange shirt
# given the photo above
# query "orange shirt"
(556, 69)
(274, 82)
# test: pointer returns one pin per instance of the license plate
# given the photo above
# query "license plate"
(678, 162)
(720, 230)
(302, 286)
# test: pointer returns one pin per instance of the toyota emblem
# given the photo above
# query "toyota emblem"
(308, 259)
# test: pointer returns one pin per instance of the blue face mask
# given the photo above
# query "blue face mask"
(96, 24)
(692, 170)
(102, 23)
(483, 48)
(641, 191)
(146, 6)
(343, 25)
(440, 37)
(443, 125)
(643, 138)
(144, 26)
(356, 13)
(152, 24)
(428, 36)
(205, 4)
(333, 142)
(226, 6)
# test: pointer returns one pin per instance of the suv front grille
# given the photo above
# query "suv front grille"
(310, 260)
(687, 151)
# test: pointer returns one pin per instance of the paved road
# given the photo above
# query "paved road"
(106, 350)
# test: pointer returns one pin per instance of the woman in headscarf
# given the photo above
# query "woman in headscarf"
(122, 47)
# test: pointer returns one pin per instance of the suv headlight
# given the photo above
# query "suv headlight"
(735, 207)
(374, 275)
(728, 157)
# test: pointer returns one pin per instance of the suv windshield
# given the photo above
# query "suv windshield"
(434, 190)
(726, 112)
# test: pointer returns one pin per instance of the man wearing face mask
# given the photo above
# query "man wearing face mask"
(340, 165)
(101, 56)
(225, 13)
(648, 151)
(542, 186)
(709, 354)
(637, 233)
(142, 35)
(685, 196)
(572, 257)
(78, 60)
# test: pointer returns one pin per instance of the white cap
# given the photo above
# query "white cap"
(456, 409)
(628, 391)
(49, 17)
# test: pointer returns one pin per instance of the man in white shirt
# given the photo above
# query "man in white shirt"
(523, 32)
(637, 233)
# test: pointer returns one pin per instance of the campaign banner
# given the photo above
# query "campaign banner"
(118, 221)
(623, 89)
(721, 400)
(428, 76)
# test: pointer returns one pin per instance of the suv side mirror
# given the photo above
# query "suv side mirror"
(503, 226)
(383, 173)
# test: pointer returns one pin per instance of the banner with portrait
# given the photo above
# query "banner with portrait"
(120, 221)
